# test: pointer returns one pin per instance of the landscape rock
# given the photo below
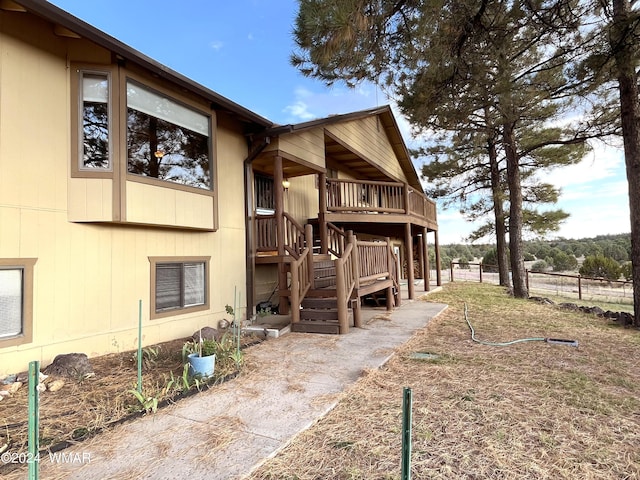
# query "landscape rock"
(542, 300)
(55, 385)
(208, 333)
(70, 365)
(569, 306)
(14, 387)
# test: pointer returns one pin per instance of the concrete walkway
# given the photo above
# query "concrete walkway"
(227, 432)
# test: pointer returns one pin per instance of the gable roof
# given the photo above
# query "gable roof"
(61, 18)
(389, 123)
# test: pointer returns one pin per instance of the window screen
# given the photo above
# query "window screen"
(180, 285)
(11, 290)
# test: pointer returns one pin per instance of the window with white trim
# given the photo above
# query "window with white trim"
(16, 301)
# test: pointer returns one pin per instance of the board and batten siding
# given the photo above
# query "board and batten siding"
(90, 272)
(366, 137)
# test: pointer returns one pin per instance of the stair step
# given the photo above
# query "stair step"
(320, 303)
(315, 327)
(317, 314)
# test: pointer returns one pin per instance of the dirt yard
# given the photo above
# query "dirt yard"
(84, 407)
(531, 410)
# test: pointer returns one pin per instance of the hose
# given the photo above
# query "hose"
(559, 341)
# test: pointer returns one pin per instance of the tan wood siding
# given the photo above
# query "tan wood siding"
(366, 137)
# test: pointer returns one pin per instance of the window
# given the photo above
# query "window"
(166, 140)
(94, 149)
(178, 286)
(264, 194)
(16, 301)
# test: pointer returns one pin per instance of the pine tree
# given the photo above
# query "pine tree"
(496, 68)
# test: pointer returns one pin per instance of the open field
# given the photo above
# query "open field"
(615, 296)
(531, 410)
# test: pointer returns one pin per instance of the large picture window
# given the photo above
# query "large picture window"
(95, 140)
(166, 140)
(179, 285)
(16, 301)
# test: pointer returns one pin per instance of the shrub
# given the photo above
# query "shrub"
(563, 262)
(626, 271)
(600, 266)
(539, 266)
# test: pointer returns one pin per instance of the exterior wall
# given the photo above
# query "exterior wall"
(366, 137)
(89, 277)
(301, 200)
(307, 145)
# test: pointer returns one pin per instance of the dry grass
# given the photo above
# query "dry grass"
(85, 407)
(531, 410)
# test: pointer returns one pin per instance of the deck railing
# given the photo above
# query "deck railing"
(421, 206)
(377, 197)
(374, 261)
(267, 234)
(266, 237)
(364, 196)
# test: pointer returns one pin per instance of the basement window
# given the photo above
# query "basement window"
(16, 301)
(179, 286)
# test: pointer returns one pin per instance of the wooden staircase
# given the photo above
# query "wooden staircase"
(319, 308)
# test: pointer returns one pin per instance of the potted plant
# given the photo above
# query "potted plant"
(201, 356)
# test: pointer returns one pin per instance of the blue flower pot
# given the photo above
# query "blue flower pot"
(201, 366)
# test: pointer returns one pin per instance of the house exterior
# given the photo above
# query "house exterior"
(128, 190)
(344, 173)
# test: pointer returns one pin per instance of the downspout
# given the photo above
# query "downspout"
(248, 202)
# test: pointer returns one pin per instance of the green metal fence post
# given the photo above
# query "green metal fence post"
(406, 434)
(33, 421)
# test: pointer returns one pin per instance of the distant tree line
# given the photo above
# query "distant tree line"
(606, 256)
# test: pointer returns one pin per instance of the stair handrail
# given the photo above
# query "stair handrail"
(300, 283)
(294, 237)
(345, 283)
(336, 239)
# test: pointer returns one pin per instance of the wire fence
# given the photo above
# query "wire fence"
(570, 287)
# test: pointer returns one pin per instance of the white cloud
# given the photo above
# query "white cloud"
(299, 111)
(604, 162)
(216, 45)
(308, 104)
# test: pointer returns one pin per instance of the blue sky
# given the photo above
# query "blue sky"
(241, 49)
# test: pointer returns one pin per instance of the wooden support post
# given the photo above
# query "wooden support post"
(357, 313)
(405, 199)
(278, 177)
(427, 269)
(390, 269)
(295, 294)
(421, 256)
(408, 247)
(343, 314)
(438, 270)
(308, 235)
(357, 316)
(322, 211)
(579, 287)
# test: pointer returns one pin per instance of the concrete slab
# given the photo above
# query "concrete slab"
(228, 431)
